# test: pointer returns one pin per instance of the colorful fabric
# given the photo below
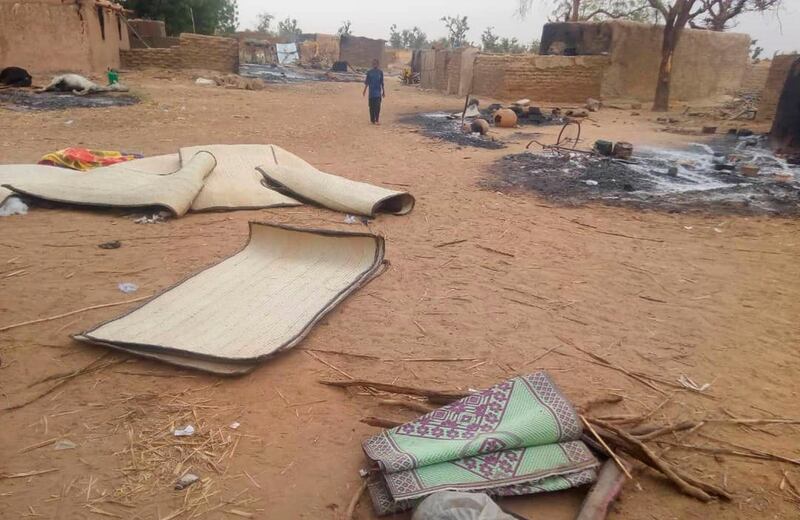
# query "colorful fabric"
(518, 437)
(83, 159)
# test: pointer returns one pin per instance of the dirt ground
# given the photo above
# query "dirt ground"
(715, 298)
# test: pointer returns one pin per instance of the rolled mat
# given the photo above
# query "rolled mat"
(298, 179)
(10, 173)
(235, 183)
(262, 300)
(121, 185)
(518, 437)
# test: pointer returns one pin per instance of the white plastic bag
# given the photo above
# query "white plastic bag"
(452, 505)
(13, 206)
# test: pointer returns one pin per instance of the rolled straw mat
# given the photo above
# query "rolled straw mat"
(123, 185)
(10, 173)
(235, 183)
(262, 300)
(298, 179)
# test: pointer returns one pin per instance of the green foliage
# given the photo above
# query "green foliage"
(595, 10)
(264, 22)
(289, 29)
(457, 27)
(755, 51)
(412, 38)
(344, 30)
(489, 40)
(210, 16)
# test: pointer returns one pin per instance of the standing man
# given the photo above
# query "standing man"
(377, 91)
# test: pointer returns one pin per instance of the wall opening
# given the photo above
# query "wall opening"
(119, 26)
(101, 17)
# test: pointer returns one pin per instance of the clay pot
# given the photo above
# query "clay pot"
(505, 118)
(480, 126)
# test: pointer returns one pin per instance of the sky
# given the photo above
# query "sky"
(373, 19)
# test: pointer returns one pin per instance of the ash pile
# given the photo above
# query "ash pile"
(732, 176)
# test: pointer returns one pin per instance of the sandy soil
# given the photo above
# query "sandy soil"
(714, 298)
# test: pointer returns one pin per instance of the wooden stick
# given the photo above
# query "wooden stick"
(660, 432)
(647, 456)
(38, 445)
(454, 242)
(446, 396)
(411, 405)
(71, 313)
(492, 250)
(351, 508)
(340, 353)
(608, 399)
(345, 374)
(88, 369)
(609, 450)
(754, 421)
(27, 474)
(380, 422)
(604, 492)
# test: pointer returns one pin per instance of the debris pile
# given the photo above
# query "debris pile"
(737, 175)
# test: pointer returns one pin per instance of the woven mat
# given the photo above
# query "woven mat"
(262, 300)
(235, 183)
(10, 173)
(120, 185)
(298, 179)
(518, 437)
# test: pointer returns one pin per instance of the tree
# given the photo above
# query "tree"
(395, 38)
(535, 46)
(414, 38)
(719, 13)
(457, 28)
(511, 46)
(264, 21)
(489, 40)
(344, 30)
(586, 10)
(407, 39)
(210, 16)
(288, 29)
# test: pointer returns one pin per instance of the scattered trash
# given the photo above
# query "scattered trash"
(188, 431)
(13, 206)
(350, 219)
(784, 177)
(186, 481)
(688, 228)
(15, 77)
(155, 218)
(64, 444)
(234, 425)
(128, 287)
(593, 105)
(114, 244)
(709, 129)
(673, 171)
(454, 505)
(687, 382)
(68, 122)
(717, 230)
(83, 159)
(591, 182)
(205, 82)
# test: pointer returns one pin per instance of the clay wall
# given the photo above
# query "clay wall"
(560, 79)
(706, 63)
(76, 37)
(194, 52)
(359, 51)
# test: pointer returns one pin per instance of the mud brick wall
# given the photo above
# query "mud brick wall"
(453, 72)
(359, 52)
(778, 72)
(443, 58)
(194, 52)
(755, 77)
(560, 79)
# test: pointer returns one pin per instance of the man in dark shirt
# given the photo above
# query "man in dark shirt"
(377, 91)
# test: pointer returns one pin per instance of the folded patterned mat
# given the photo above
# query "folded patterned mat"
(518, 437)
